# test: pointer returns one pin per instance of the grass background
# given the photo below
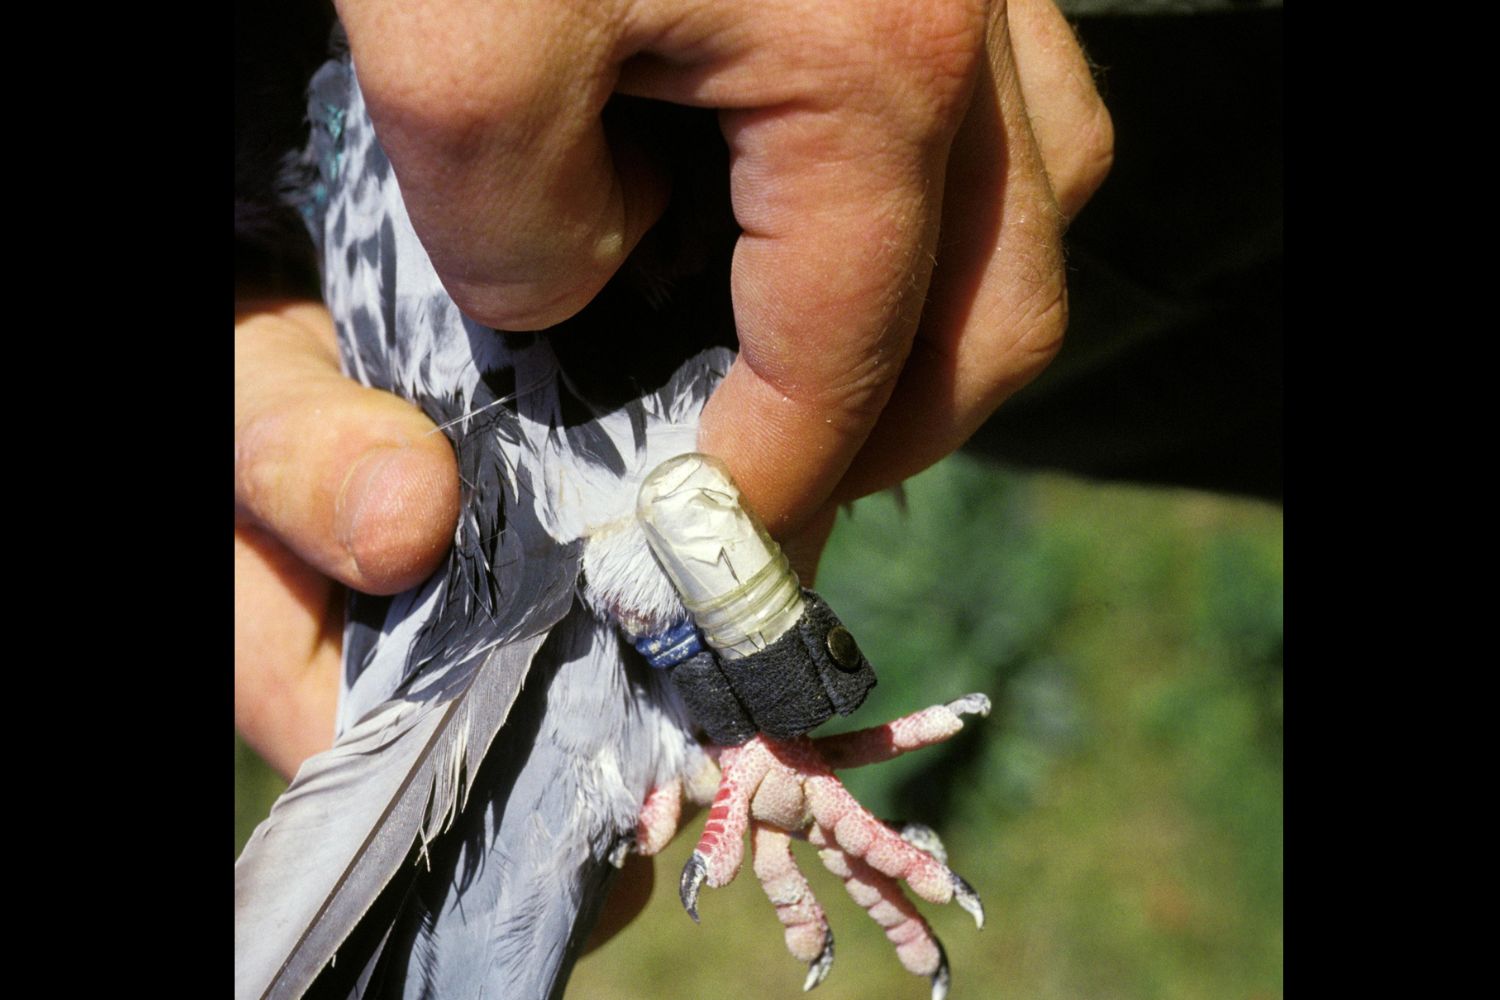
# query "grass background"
(1120, 812)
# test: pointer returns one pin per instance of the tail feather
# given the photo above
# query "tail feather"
(502, 904)
(340, 832)
(470, 854)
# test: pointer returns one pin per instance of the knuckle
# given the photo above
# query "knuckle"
(1093, 157)
(1043, 323)
(491, 74)
(935, 49)
(1099, 145)
(259, 470)
(523, 306)
(455, 109)
(1024, 327)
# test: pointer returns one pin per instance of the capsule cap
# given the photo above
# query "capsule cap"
(731, 575)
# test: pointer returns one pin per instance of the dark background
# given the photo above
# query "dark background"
(1172, 371)
(1121, 810)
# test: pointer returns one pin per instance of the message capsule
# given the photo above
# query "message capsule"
(733, 578)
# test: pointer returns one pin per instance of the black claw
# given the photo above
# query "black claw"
(971, 704)
(693, 874)
(941, 977)
(817, 969)
(967, 898)
(621, 850)
(922, 837)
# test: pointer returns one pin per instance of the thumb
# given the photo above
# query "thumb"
(355, 481)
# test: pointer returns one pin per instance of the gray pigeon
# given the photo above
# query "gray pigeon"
(497, 733)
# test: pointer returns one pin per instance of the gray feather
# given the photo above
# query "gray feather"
(342, 829)
(509, 798)
(513, 889)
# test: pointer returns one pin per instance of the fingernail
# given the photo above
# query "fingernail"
(362, 491)
(394, 515)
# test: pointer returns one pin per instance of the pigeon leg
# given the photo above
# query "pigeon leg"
(721, 848)
(659, 816)
(910, 732)
(920, 836)
(863, 836)
(661, 812)
(878, 895)
(788, 788)
(807, 935)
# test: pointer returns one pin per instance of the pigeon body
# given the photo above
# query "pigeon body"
(500, 743)
(518, 634)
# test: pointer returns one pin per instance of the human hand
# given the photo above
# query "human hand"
(834, 146)
(868, 139)
(335, 484)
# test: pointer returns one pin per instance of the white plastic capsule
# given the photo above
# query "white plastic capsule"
(733, 578)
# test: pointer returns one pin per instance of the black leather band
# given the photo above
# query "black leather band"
(789, 688)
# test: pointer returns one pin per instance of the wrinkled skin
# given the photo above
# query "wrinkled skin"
(779, 789)
(902, 173)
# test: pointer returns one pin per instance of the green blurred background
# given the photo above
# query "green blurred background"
(1120, 812)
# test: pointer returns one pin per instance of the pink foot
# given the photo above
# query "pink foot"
(656, 824)
(785, 788)
(919, 950)
(807, 935)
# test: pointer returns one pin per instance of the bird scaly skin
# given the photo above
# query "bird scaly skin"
(778, 789)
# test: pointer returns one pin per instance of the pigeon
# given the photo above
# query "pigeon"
(512, 728)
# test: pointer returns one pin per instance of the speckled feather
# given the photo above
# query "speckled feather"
(496, 873)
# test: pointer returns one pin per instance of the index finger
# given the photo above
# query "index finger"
(838, 138)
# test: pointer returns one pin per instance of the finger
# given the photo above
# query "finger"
(804, 549)
(287, 626)
(998, 305)
(838, 146)
(355, 481)
(491, 116)
(1073, 130)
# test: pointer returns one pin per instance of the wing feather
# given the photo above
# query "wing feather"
(352, 816)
